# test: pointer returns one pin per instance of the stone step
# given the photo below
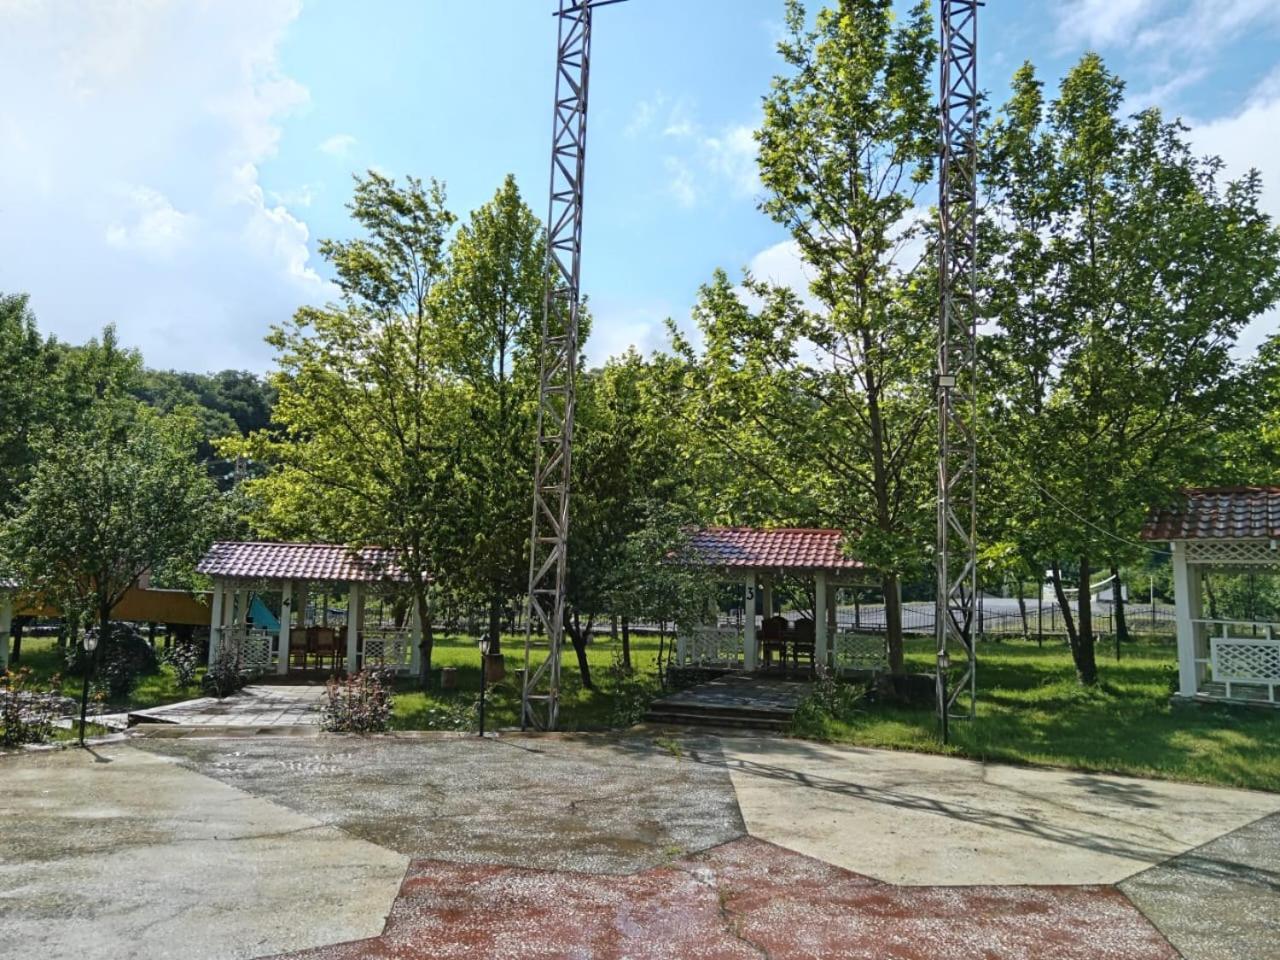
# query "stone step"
(697, 719)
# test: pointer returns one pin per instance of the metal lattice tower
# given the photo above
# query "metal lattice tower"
(553, 460)
(956, 557)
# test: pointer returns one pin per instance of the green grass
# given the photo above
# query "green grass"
(44, 658)
(1032, 710)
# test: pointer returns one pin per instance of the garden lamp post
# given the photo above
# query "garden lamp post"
(484, 670)
(90, 645)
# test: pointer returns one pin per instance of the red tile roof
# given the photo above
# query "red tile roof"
(301, 561)
(783, 548)
(1218, 513)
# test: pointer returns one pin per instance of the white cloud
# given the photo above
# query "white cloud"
(1102, 22)
(132, 137)
(732, 155)
(1243, 142)
(339, 145)
(783, 266)
(680, 183)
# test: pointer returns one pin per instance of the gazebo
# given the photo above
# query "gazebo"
(299, 573)
(1226, 530)
(754, 560)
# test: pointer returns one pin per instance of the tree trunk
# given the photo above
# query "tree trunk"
(1117, 606)
(578, 638)
(1083, 652)
(1022, 609)
(495, 623)
(15, 634)
(1064, 604)
(626, 643)
(104, 631)
(893, 624)
(1211, 597)
(422, 598)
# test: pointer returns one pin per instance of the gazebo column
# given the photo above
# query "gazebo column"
(1187, 599)
(6, 625)
(820, 635)
(215, 621)
(833, 592)
(286, 623)
(749, 653)
(353, 625)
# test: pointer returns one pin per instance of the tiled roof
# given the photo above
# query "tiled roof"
(301, 561)
(778, 549)
(1218, 513)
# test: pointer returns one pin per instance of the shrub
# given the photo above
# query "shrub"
(27, 714)
(123, 658)
(184, 658)
(226, 674)
(359, 704)
(832, 701)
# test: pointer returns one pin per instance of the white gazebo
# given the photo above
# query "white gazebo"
(757, 559)
(1228, 530)
(305, 576)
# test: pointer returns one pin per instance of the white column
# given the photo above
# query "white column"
(353, 625)
(820, 617)
(832, 593)
(286, 622)
(1186, 601)
(766, 595)
(749, 656)
(415, 638)
(6, 624)
(215, 622)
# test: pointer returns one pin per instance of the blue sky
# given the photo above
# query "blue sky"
(170, 164)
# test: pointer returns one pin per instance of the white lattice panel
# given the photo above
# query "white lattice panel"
(855, 651)
(1229, 553)
(1245, 661)
(387, 648)
(255, 650)
(714, 645)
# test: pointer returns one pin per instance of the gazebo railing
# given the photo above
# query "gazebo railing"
(858, 652)
(710, 646)
(1236, 660)
(389, 647)
(253, 648)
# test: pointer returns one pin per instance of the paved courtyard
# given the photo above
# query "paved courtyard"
(218, 844)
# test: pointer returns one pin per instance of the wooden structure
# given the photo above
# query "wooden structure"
(758, 559)
(300, 573)
(1222, 529)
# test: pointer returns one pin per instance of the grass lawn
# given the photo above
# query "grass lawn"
(41, 654)
(1031, 710)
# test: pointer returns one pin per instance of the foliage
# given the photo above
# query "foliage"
(1121, 269)
(833, 701)
(27, 361)
(226, 674)
(111, 497)
(819, 411)
(27, 713)
(122, 659)
(359, 704)
(184, 657)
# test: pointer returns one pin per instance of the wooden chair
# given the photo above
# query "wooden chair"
(802, 643)
(299, 646)
(773, 639)
(324, 643)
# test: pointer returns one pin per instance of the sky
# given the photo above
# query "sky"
(169, 165)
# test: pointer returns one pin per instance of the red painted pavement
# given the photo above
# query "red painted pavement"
(745, 899)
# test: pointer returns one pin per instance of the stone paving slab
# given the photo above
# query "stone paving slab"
(921, 819)
(742, 901)
(257, 705)
(1221, 899)
(590, 803)
(119, 854)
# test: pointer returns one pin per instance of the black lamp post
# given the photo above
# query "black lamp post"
(90, 645)
(484, 670)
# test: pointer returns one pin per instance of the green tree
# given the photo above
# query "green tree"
(828, 408)
(114, 496)
(1122, 269)
(28, 362)
(370, 428)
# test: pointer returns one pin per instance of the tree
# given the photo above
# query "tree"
(1121, 272)
(488, 326)
(115, 496)
(27, 361)
(830, 406)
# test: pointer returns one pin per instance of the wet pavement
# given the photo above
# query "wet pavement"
(243, 844)
(257, 705)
